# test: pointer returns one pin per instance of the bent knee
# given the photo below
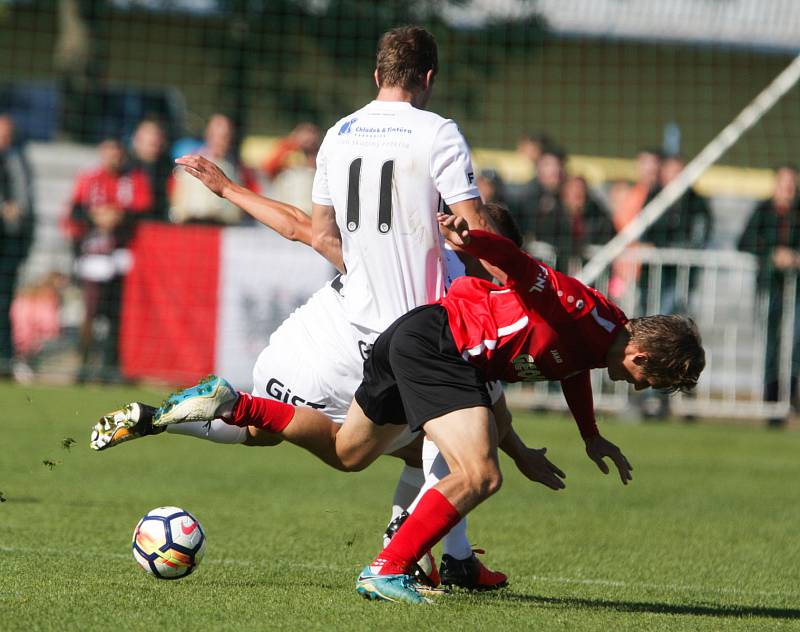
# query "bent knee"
(354, 463)
(485, 481)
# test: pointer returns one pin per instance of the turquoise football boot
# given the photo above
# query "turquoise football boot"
(396, 588)
(212, 398)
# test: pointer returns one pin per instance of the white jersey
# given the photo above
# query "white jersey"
(384, 170)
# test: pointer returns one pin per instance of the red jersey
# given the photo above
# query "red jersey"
(129, 191)
(541, 325)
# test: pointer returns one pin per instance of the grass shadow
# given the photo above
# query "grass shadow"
(709, 610)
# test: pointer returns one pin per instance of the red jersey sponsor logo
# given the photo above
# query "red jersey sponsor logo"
(526, 369)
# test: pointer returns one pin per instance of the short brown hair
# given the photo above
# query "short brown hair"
(405, 55)
(505, 222)
(675, 355)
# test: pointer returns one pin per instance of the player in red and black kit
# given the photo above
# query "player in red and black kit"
(429, 370)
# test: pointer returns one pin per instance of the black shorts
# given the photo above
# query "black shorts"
(415, 373)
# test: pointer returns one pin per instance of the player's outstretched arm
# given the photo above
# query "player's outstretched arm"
(532, 462)
(598, 447)
(500, 256)
(286, 220)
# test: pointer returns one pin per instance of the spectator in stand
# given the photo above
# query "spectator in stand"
(539, 212)
(292, 164)
(647, 185)
(628, 201)
(590, 222)
(685, 224)
(491, 187)
(299, 147)
(531, 146)
(149, 154)
(16, 230)
(773, 235)
(105, 206)
(193, 202)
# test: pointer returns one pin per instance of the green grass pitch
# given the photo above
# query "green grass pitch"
(707, 537)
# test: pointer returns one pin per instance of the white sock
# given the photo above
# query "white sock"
(217, 431)
(456, 542)
(411, 480)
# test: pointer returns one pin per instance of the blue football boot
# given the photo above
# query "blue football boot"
(396, 588)
(212, 398)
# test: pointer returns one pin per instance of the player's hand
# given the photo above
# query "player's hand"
(598, 447)
(206, 171)
(454, 228)
(535, 466)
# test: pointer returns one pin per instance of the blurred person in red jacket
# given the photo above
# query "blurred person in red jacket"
(105, 206)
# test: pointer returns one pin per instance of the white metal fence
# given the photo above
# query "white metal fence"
(720, 290)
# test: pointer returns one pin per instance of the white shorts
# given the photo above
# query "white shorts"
(313, 358)
(316, 359)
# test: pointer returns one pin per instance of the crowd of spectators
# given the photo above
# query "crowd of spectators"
(561, 217)
(133, 180)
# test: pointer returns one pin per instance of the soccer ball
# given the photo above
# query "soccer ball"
(168, 543)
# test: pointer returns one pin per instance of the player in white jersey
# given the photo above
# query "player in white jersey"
(384, 169)
(381, 174)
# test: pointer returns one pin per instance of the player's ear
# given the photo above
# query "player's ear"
(377, 78)
(640, 359)
(428, 79)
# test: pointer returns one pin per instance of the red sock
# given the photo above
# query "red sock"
(430, 522)
(260, 412)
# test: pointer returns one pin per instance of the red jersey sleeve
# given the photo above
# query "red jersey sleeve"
(578, 393)
(541, 288)
(530, 278)
(501, 252)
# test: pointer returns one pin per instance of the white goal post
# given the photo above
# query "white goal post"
(748, 117)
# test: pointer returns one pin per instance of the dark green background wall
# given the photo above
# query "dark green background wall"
(597, 97)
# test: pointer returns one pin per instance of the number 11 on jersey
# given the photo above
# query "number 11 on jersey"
(384, 201)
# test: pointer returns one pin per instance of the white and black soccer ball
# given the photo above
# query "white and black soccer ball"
(168, 543)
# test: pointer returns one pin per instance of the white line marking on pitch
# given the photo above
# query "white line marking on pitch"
(332, 567)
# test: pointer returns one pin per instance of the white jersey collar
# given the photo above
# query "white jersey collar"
(393, 105)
